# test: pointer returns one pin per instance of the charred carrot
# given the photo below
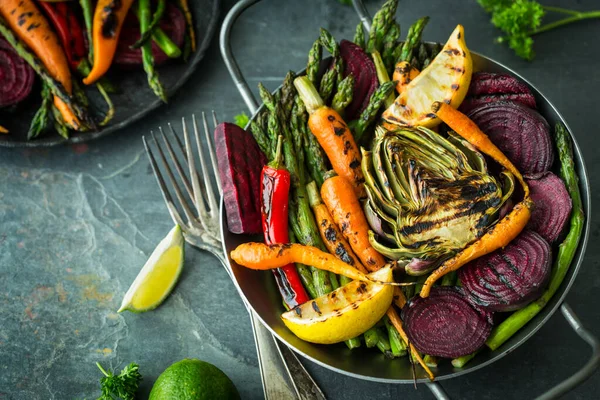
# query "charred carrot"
(404, 73)
(343, 204)
(508, 227)
(261, 256)
(397, 322)
(183, 4)
(3, 129)
(399, 298)
(26, 21)
(469, 130)
(333, 135)
(331, 235)
(106, 27)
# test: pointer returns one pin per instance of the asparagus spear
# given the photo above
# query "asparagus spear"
(382, 76)
(162, 40)
(371, 337)
(462, 360)
(566, 250)
(383, 343)
(343, 95)
(262, 139)
(397, 345)
(422, 56)
(382, 21)
(59, 123)
(43, 118)
(430, 361)
(55, 87)
(359, 36)
(314, 61)
(160, 10)
(304, 272)
(413, 38)
(450, 279)
(327, 85)
(88, 12)
(369, 114)
(147, 58)
(329, 43)
(389, 45)
(315, 156)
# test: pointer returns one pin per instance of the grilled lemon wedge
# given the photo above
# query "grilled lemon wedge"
(446, 79)
(344, 313)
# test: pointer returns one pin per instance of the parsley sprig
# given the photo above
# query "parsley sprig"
(522, 19)
(122, 386)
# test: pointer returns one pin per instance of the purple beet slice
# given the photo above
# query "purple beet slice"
(520, 132)
(173, 24)
(446, 324)
(359, 64)
(240, 163)
(509, 278)
(552, 206)
(16, 76)
(488, 87)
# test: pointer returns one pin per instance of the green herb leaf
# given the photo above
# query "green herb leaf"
(122, 386)
(241, 120)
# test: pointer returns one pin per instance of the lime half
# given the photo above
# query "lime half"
(158, 276)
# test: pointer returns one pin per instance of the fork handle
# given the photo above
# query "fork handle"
(280, 379)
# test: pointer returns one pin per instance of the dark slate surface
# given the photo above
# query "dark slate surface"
(78, 222)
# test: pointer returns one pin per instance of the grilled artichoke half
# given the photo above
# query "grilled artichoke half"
(432, 194)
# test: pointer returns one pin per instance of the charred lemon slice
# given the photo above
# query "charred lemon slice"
(344, 313)
(446, 79)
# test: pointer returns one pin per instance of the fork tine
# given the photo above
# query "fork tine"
(178, 140)
(210, 193)
(198, 199)
(211, 149)
(186, 208)
(182, 175)
(163, 187)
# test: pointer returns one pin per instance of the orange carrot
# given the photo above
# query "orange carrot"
(508, 227)
(397, 322)
(26, 21)
(262, 256)
(333, 135)
(469, 130)
(341, 200)
(3, 129)
(331, 235)
(106, 28)
(403, 74)
(399, 297)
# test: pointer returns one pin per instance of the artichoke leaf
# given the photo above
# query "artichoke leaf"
(434, 194)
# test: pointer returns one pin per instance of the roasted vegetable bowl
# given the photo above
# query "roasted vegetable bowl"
(419, 181)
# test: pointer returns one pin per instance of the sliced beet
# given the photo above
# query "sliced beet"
(446, 324)
(509, 278)
(16, 76)
(240, 162)
(173, 23)
(488, 87)
(520, 132)
(359, 64)
(552, 206)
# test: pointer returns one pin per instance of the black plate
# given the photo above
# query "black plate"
(135, 99)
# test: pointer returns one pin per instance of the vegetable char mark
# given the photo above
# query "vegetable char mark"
(110, 21)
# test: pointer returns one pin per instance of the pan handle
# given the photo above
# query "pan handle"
(568, 384)
(227, 54)
(588, 369)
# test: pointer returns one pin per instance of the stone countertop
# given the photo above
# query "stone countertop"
(77, 223)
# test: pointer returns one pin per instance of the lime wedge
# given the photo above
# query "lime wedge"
(158, 276)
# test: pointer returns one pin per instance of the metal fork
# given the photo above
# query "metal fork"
(201, 228)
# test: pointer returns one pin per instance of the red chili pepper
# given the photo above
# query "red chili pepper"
(68, 29)
(274, 192)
